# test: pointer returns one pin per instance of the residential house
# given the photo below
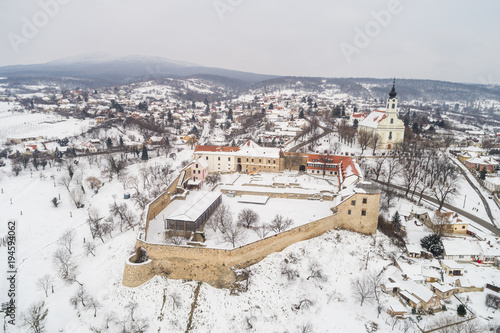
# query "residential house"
(342, 167)
(481, 162)
(460, 249)
(452, 268)
(199, 170)
(492, 184)
(444, 222)
(442, 291)
(157, 141)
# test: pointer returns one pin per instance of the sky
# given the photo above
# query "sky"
(441, 40)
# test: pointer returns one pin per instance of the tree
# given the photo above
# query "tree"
(447, 182)
(55, 201)
(482, 173)
(364, 138)
(396, 221)
(65, 266)
(291, 159)
(374, 142)
(34, 317)
(234, 234)
(95, 223)
(263, 230)
(44, 284)
(94, 183)
(362, 288)
(461, 310)
(109, 143)
(131, 307)
(77, 197)
(230, 115)
(16, 167)
(89, 248)
(80, 296)
(94, 304)
(65, 181)
(271, 106)
(432, 243)
(67, 239)
(301, 114)
(212, 179)
(247, 218)
(220, 218)
(144, 155)
(280, 223)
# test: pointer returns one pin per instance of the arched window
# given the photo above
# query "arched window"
(390, 135)
(392, 120)
(393, 105)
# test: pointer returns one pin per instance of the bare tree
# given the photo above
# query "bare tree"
(306, 328)
(177, 240)
(131, 307)
(94, 304)
(291, 159)
(176, 300)
(304, 304)
(234, 234)
(34, 317)
(124, 214)
(263, 230)
(315, 272)
(375, 139)
(280, 223)
(67, 239)
(65, 181)
(77, 196)
(89, 248)
(378, 168)
(375, 281)
(447, 183)
(212, 179)
(80, 296)
(362, 289)
(364, 138)
(65, 265)
(248, 217)
(220, 218)
(95, 223)
(44, 283)
(94, 183)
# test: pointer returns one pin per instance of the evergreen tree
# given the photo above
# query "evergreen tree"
(169, 116)
(230, 115)
(109, 143)
(144, 155)
(482, 174)
(461, 311)
(432, 243)
(121, 141)
(301, 114)
(291, 118)
(193, 119)
(271, 106)
(315, 105)
(396, 221)
(193, 105)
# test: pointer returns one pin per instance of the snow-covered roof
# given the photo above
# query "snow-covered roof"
(194, 206)
(202, 162)
(460, 246)
(452, 264)
(373, 119)
(442, 288)
(252, 149)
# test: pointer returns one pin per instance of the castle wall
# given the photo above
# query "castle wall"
(214, 266)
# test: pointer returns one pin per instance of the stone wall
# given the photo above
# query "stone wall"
(214, 266)
(327, 196)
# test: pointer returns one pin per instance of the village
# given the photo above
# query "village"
(209, 189)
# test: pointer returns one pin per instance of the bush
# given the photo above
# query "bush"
(461, 311)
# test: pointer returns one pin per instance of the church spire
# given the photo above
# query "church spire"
(393, 94)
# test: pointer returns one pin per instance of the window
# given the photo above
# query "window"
(260, 161)
(363, 212)
(239, 159)
(463, 227)
(390, 135)
(218, 158)
(393, 105)
(252, 160)
(268, 161)
(364, 200)
(229, 158)
(199, 171)
(206, 157)
(274, 162)
(247, 159)
(196, 166)
(353, 202)
(392, 120)
(349, 212)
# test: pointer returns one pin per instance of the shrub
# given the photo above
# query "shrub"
(432, 243)
(461, 311)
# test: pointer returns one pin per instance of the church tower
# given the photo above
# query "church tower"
(392, 101)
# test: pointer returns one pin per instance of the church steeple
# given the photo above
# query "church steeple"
(393, 94)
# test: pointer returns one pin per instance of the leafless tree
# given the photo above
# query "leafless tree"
(393, 170)
(280, 223)
(77, 196)
(291, 159)
(315, 272)
(177, 240)
(335, 148)
(131, 307)
(65, 265)
(44, 283)
(306, 328)
(375, 280)
(94, 304)
(304, 304)
(34, 317)
(212, 179)
(89, 248)
(67, 239)
(364, 138)
(234, 234)
(109, 318)
(94, 183)
(124, 215)
(263, 230)
(248, 217)
(176, 300)
(220, 218)
(447, 183)
(95, 223)
(80, 296)
(65, 181)
(375, 139)
(378, 167)
(361, 287)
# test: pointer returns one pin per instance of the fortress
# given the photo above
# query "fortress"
(355, 209)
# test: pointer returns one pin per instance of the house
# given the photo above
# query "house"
(492, 184)
(100, 119)
(199, 170)
(452, 268)
(219, 158)
(490, 251)
(157, 141)
(444, 222)
(342, 167)
(481, 162)
(396, 309)
(419, 297)
(385, 123)
(414, 250)
(442, 291)
(460, 249)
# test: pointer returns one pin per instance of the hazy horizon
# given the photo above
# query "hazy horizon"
(448, 41)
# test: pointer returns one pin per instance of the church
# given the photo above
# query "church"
(385, 123)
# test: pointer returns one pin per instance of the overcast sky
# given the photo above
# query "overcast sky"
(444, 40)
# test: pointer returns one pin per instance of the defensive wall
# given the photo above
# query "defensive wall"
(357, 212)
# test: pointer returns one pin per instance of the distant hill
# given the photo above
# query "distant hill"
(104, 69)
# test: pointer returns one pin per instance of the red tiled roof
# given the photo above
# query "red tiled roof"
(215, 149)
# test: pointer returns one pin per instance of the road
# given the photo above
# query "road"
(472, 217)
(326, 131)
